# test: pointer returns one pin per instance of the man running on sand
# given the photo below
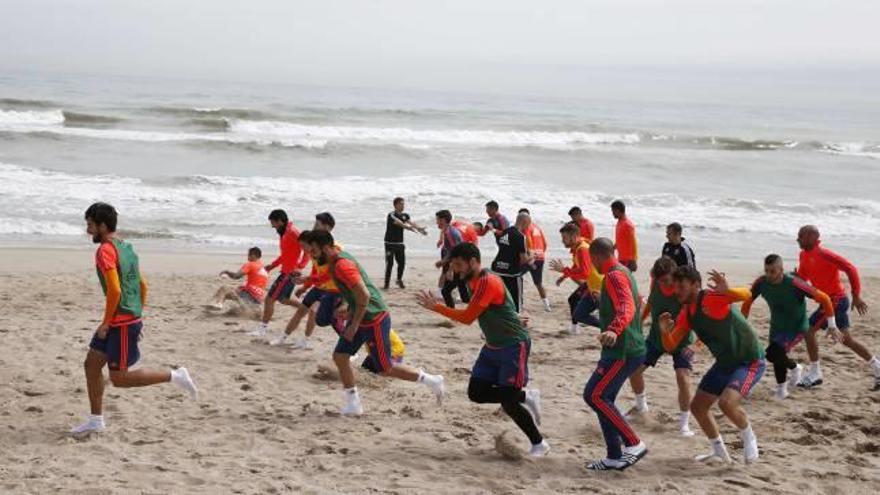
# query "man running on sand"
(292, 259)
(822, 267)
(115, 343)
(536, 243)
(368, 323)
(322, 298)
(252, 292)
(583, 301)
(739, 358)
(512, 259)
(662, 300)
(786, 295)
(502, 369)
(623, 351)
(450, 237)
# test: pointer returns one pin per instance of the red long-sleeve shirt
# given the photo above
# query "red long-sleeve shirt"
(292, 258)
(619, 289)
(821, 267)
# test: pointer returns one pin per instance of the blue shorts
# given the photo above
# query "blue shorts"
(504, 366)
(370, 365)
(376, 335)
(786, 340)
(740, 377)
(841, 315)
(282, 287)
(683, 359)
(327, 302)
(247, 297)
(537, 272)
(120, 346)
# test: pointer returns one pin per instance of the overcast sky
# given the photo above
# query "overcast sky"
(413, 43)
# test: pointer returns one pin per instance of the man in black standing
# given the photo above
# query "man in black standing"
(676, 247)
(512, 260)
(395, 250)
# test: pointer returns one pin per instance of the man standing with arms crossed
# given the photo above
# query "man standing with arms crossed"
(115, 343)
(395, 250)
(821, 267)
(625, 237)
(292, 260)
(623, 351)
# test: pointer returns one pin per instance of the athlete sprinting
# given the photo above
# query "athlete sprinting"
(625, 236)
(623, 351)
(115, 343)
(292, 259)
(584, 300)
(822, 267)
(497, 223)
(739, 358)
(587, 229)
(451, 237)
(502, 369)
(249, 294)
(662, 300)
(536, 243)
(786, 295)
(368, 323)
(322, 298)
(512, 259)
(395, 250)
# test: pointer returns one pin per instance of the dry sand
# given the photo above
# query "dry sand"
(266, 421)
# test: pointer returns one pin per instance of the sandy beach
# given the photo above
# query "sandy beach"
(266, 420)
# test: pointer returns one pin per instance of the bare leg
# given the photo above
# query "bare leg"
(731, 405)
(94, 368)
(343, 364)
(700, 406)
(683, 379)
(138, 378)
(268, 310)
(812, 345)
(293, 324)
(637, 380)
(403, 372)
(310, 322)
(856, 346)
(541, 291)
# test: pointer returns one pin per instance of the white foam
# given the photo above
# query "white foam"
(31, 118)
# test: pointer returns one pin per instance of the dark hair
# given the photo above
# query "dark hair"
(444, 214)
(687, 272)
(398, 200)
(320, 238)
(602, 247)
(465, 251)
(102, 213)
(478, 225)
(674, 227)
(575, 210)
(570, 228)
(255, 251)
(305, 236)
(278, 215)
(663, 266)
(618, 205)
(772, 258)
(327, 219)
(524, 210)
(492, 204)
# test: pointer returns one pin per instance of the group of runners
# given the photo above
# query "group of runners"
(338, 293)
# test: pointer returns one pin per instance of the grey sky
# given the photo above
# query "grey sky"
(476, 43)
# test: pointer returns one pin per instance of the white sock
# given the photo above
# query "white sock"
(546, 302)
(351, 394)
(642, 401)
(718, 446)
(684, 417)
(815, 369)
(875, 363)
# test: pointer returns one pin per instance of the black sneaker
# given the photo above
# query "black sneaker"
(400, 284)
(876, 386)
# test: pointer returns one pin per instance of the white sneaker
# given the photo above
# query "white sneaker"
(750, 447)
(810, 380)
(575, 329)
(352, 408)
(781, 391)
(181, 378)
(302, 343)
(533, 404)
(279, 340)
(260, 331)
(632, 455)
(539, 450)
(795, 375)
(686, 431)
(94, 424)
(713, 457)
(547, 306)
(438, 386)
